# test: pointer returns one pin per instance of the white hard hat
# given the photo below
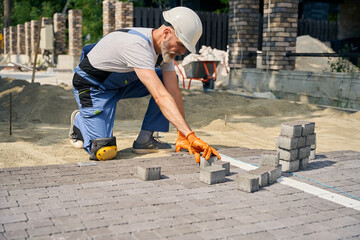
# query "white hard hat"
(187, 25)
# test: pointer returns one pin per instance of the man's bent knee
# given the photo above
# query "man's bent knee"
(103, 149)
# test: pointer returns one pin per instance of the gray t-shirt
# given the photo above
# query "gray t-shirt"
(121, 52)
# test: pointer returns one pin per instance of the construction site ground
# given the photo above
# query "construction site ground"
(46, 195)
(108, 201)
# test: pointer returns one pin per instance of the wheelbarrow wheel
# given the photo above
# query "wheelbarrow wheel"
(209, 85)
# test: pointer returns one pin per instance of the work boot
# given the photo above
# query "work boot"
(152, 145)
(74, 140)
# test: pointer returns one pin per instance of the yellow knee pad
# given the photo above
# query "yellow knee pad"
(103, 149)
(106, 153)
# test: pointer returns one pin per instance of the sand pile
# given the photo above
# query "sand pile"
(307, 44)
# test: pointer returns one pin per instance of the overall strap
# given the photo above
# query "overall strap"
(132, 31)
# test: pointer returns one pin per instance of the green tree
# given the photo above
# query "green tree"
(27, 10)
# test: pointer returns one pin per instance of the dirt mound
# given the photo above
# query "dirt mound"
(35, 103)
(201, 109)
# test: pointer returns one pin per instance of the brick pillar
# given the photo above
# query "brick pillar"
(35, 24)
(59, 32)
(244, 27)
(20, 39)
(75, 32)
(282, 35)
(124, 12)
(13, 42)
(6, 41)
(108, 16)
(46, 21)
(28, 38)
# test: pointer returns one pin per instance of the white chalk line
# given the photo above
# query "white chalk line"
(321, 193)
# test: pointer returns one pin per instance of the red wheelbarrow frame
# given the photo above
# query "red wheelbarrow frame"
(208, 75)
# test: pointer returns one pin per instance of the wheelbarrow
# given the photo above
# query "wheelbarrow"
(204, 71)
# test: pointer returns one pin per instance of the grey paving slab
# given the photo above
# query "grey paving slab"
(108, 201)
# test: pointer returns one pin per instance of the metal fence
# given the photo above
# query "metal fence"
(322, 30)
(215, 25)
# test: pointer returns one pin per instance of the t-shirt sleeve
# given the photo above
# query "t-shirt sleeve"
(168, 67)
(138, 55)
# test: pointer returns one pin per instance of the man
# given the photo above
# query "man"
(122, 65)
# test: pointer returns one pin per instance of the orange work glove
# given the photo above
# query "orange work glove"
(197, 146)
(181, 142)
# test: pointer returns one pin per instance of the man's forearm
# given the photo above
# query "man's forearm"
(169, 107)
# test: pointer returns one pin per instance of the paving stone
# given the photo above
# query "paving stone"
(290, 166)
(145, 235)
(18, 234)
(225, 165)
(98, 233)
(274, 173)
(263, 175)
(301, 142)
(42, 231)
(312, 154)
(291, 129)
(166, 232)
(4, 219)
(303, 164)
(212, 174)
(39, 223)
(303, 152)
(286, 142)
(8, 204)
(73, 235)
(149, 172)
(209, 162)
(311, 140)
(288, 155)
(247, 182)
(270, 158)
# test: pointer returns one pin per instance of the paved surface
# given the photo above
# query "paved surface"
(107, 201)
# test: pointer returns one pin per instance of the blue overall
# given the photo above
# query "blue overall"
(97, 93)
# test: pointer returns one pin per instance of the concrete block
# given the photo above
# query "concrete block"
(308, 128)
(247, 182)
(225, 165)
(311, 139)
(286, 142)
(207, 163)
(304, 152)
(291, 129)
(303, 164)
(146, 172)
(288, 155)
(270, 158)
(312, 154)
(289, 166)
(212, 174)
(301, 142)
(263, 175)
(274, 174)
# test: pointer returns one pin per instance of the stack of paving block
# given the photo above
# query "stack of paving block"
(213, 170)
(296, 145)
(266, 174)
